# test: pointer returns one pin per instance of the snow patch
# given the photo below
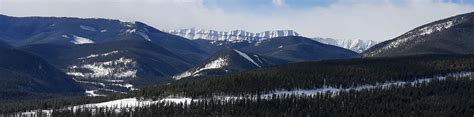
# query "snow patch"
(127, 85)
(183, 75)
(258, 58)
(143, 35)
(436, 28)
(125, 74)
(118, 105)
(386, 85)
(64, 36)
(120, 68)
(92, 93)
(37, 113)
(216, 64)
(131, 103)
(247, 57)
(88, 28)
(115, 81)
(355, 45)
(131, 31)
(81, 40)
(99, 55)
(121, 103)
(258, 43)
(87, 82)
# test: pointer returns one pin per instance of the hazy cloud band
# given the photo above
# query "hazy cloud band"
(348, 19)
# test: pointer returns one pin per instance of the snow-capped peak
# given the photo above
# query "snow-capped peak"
(241, 35)
(355, 45)
(235, 35)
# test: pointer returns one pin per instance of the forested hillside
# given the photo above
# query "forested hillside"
(243, 94)
(439, 98)
(311, 75)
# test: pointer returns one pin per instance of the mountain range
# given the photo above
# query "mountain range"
(139, 70)
(104, 56)
(236, 35)
(112, 56)
(355, 45)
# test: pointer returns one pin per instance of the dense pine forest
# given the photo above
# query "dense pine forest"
(450, 97)
(439, 98)
(311, 75)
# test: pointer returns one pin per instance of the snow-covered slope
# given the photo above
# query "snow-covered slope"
(79, 40)
(448, 36)
(247, 57)
(355, 45)
(118, 106)
(216, 64)
(227, 61)
(236, 35)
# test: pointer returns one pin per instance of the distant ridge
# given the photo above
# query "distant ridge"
(452, 35)
(235, 35)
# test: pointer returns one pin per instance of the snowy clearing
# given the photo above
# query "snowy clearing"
(81, 40)
(247, 57)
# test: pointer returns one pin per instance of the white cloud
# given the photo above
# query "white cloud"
(360, 19)
(278, 3)
(375, 21)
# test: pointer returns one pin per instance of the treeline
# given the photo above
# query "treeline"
(438, 98)
(52, 103)
(310, 75)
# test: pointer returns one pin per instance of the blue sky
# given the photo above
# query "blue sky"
(344, 19)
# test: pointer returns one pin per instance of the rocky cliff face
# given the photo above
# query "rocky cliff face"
(236, 35)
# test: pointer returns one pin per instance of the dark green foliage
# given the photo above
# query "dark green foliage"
(290, 48)
(52, 103)
(25, 76)
(439, 98)
(452, 97)
(299, 49)
(310, 75)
